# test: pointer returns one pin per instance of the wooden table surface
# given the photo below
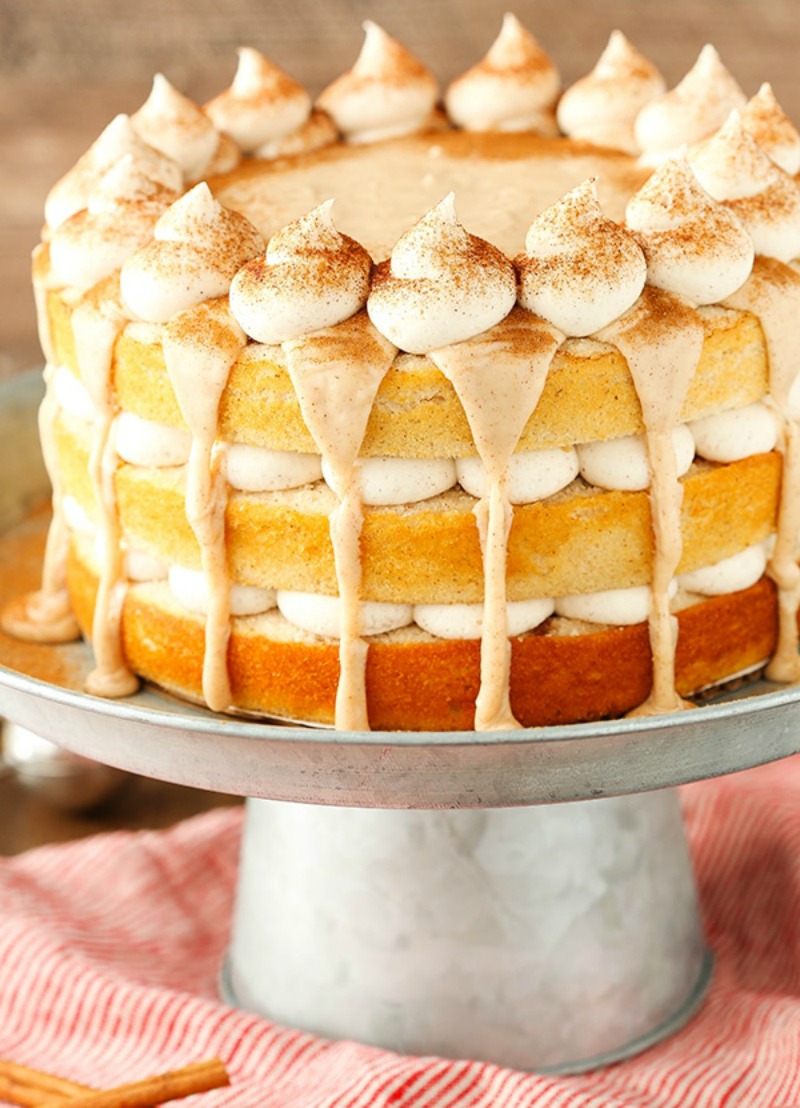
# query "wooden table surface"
(67, 69)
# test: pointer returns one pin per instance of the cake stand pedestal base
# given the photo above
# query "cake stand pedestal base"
(545, 938)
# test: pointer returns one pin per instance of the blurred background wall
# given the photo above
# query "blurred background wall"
(53, 41)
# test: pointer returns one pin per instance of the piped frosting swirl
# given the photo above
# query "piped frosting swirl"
(71, 193)
(514, 88)
(263, 105)
(388, 92)
(179, 128)
(441, 285)
(311, 277)
(694, 246)
(691, 111)
(770, 126)
(198, 246)
(733, 168)
(120, 217)
(580, 270)
(602, 106)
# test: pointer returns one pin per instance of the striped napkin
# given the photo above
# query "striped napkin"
(110, 950)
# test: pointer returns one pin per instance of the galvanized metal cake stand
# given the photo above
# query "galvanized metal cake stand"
(523, 897)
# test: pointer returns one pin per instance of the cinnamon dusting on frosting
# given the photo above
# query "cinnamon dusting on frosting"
(179, 128)
(734, 169)
(602, 106)
(263, 106)
(691, 111)
(514, 88)
(388, 91)
(767, 122)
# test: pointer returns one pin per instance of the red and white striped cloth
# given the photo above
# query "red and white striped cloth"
(110, 950)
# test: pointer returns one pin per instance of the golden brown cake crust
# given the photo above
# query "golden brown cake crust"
(432, 685)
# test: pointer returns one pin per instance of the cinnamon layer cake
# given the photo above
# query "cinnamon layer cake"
(409, 412)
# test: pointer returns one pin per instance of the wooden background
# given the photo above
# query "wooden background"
(67, 68)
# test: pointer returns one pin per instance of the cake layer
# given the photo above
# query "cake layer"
(581, 540)
(562, 673)
(589, 395)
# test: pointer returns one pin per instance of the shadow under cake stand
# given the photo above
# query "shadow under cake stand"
(522, 897)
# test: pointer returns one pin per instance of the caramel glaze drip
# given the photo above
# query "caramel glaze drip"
(661, 338)
(97, 322)
(200, 346)
(498, 377)
(336, 373)
(46, 615)
(772, 293)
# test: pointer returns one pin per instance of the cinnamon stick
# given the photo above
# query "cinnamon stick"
(29, 1087)
(199, 1077)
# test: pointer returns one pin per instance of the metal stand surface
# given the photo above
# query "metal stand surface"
(405, 889)
(545, 938)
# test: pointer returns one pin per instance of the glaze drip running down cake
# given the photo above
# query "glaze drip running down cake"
(424, 410)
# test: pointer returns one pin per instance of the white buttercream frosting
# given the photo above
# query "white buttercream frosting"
(740, 571)
(119, 218)
(179, 128)
(318, 130)
(623, 463)
(71, 394)
(617, 607)
(770, 126)
(71, 193)
(692, 110)
(733, 435)
(513, 88)
(311, 277)
(198, 247)
(388, 92)
(140, 565)
(465, 621)
(262, 105)
(400, 480)
(580, 270)
(141, 442)
(441, 285)
(694, 246)
(191, 588)
(322, 615)
(602, 106)
(734, 169)
(256, 469)
(531, 475)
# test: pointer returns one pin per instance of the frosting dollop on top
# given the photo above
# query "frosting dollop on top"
(71, 194)
(770, 126)
(694, 246)
(388, 92)
(441, 285)
(179, 128)
(513, 88)
(690, 112)
(197, 248)
(580, 270)
(602, 106)
(120, 217)
(311, 277)
(733, 168)
(262, 104)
